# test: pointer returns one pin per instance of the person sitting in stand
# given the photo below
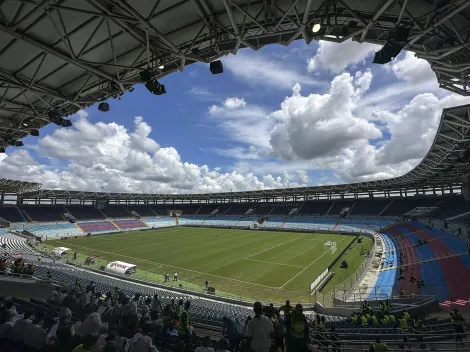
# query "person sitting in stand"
(402, 293)
(420, 283)
(378, 346)
(413, 278)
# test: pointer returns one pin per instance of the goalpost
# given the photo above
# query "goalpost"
(330, 246)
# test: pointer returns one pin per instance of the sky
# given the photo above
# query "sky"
(302, 115)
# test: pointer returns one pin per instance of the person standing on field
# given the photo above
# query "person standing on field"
(175, 276)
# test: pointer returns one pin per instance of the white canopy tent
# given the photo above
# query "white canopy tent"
(120, 268)
(58, 251)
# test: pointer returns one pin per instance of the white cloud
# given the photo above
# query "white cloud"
(91, 156)
(258, 70)
(316, 126)
(234, 103)
(242, 122)
(336, 57)
(412, 69)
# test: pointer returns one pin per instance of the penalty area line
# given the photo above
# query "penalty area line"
(265, 250)
(301, 271)
(264, 261)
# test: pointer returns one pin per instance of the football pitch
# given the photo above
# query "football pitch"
(251, 265)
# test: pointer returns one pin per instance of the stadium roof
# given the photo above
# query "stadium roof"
(64, 55)
(446, 163)
(11, 186)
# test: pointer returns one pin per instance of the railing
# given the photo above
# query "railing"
(354, 280)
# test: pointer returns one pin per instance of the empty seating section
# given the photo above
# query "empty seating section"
(12, 214)
(142, 210)
(188, 209)
(159, 222)
(209, 208)
(51, 231)
(44, 213)
(400, 206)
(351, 223)
(118, 211)
(238, 208)
(319, 207)
(162, 209)
(369, 206)
(222, 209)
(384, 286)
(85, 213)
(130, 224)
(98, 226)
(452, 206)
(315, 223)
(264, 209)
(339, 205)
(285, 208)
(463, 219)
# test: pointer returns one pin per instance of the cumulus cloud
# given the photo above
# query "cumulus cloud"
(90, 156)
(259, 70)
(412, 69)
(336, 57)
(316, 126)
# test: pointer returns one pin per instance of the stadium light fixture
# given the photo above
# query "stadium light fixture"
(34, 132)
(15, 143)
(2, 150)
(104, 107)
(155, 87)
(316, 27)
(54, 117)
(397, 39)
(216, 67)
(161, 67)
(25, 124)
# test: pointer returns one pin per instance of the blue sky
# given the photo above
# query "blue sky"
(279, 117)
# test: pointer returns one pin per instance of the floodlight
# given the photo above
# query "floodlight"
(131, 89)
(146, 75)
(397, 39)
(15, 143)
(216, 67)
(34, 132)
(2, 150)
(155, 87)
(54, 116)
(25, 124)
(104, 107)
(316, 27)
(161, 67)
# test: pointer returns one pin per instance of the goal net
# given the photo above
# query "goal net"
(175, 213)
(330, 246)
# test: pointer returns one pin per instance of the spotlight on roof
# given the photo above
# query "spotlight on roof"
(15, 143)
(131, 89)
(54, 116)
(25, 124)
(316, 27)
(146, 75)
(397, 39)
(104, 107)
(2, 150)
(34, 132)
(216, 67)
(161, 67)
(155, 87)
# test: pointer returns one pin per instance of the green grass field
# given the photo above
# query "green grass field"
(252, 265)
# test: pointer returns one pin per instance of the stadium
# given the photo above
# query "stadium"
(378, 265)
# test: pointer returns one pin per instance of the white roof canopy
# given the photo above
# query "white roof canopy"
(118, 267)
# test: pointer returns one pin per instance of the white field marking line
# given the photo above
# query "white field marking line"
(264, 261)
(172, 266)
(309, 265)
(265, 250)
(103, 237)
(305, 251)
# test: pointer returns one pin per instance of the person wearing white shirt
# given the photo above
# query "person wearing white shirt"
(259, 330)
(206, 345)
